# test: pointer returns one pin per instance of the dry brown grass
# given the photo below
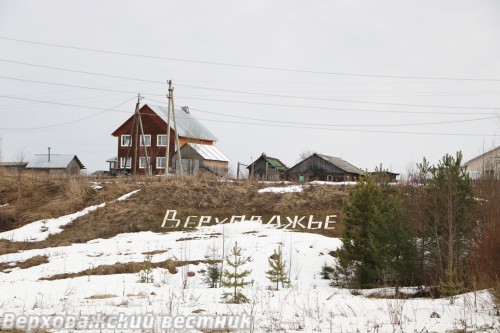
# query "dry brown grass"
(484, 270)
(145, 210)
(101, 296)
(127, 268)
(33, 197)
(154, 252)
(31, 262)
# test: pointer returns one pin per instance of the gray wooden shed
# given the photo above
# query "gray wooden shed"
(324, 168)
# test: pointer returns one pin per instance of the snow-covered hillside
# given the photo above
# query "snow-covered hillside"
(309, 304)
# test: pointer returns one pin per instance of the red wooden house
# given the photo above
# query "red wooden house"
(150, 148)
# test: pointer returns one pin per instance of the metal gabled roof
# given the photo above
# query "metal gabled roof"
(41, 161)
(341, 164)
(276, 163)
(12, 164)
(209, 152)
(187, 125)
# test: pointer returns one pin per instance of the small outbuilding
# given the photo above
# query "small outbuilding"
(384, 176)
(13, 166)
(267, 168)
(324, 168)
(198, 158)
(55, 164)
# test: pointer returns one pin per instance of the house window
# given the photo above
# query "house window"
(146, 138)
(143, 163)
(160, 162)
(329, 178)
(126, 142)
(161, 140)
(125, 162)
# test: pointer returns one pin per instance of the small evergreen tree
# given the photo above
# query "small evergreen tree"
(377, 241)
(213, 273)
(277, 272)
(234, 277)
(146, 275)
(450, 224)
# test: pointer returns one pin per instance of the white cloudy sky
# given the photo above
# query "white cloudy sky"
(400, 105)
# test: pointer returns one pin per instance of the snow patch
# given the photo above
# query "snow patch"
(128, 195)
(40, 230)
(318, 182)
(288, 189)
(310, 303)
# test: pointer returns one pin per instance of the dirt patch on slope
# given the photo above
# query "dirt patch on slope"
(31, 262)
(127, 268)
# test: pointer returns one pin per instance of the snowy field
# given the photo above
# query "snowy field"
(308, 305)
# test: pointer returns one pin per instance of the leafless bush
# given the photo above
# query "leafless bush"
(395, 312)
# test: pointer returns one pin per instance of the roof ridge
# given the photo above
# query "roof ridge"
(482, 155)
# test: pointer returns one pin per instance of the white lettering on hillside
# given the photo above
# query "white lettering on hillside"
(307, 222)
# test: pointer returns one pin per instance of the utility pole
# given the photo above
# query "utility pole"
(238, 172)
(148, 163)
(179, 158)
(169, 97)
(136, 134)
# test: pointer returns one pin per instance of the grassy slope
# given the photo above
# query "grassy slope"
(34, 198)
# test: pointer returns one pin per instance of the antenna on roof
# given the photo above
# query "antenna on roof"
(185, 109)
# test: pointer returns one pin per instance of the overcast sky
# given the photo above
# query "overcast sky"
(369, 81)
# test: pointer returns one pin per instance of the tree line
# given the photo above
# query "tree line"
(438, 228)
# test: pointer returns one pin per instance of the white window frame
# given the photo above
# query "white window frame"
(158, 140)
(123, 164)
(158, 159)
(148, 140)
(143, 163)
(123, 138)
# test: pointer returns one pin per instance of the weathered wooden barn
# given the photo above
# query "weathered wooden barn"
(150, 150)
(486, 165)
(324, 168)
(267, 168)
(198, 158)
(384, 176)
(13, 166)
(55, 164)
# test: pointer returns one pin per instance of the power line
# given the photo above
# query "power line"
(334, 108)
(337, 125)
(334, 100)
(68, 85)
(252, 93)
(340, 129)
(69, 122)
(279, 122)
(354, 130)
(270, 68)
(247, 123)
(61, 104)
(354, 125)
(81, 72)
